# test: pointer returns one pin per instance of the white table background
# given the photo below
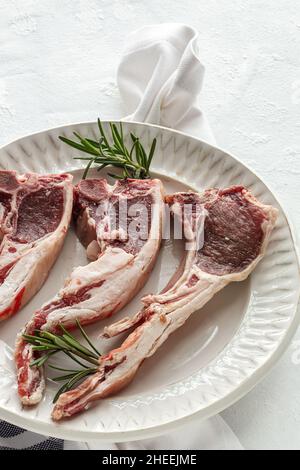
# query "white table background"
(58, 60)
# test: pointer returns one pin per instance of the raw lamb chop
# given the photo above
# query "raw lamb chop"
(35, 213)
(121, 228)
(237, 229)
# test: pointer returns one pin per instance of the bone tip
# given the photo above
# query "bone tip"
(60, 412)
(28, 401)
(57, 413)
(148, 300)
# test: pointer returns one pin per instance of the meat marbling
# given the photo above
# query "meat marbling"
(123, 240)
(35, 213)
(237, 229)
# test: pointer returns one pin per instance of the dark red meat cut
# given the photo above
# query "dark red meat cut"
(233, 233)
(39, 213)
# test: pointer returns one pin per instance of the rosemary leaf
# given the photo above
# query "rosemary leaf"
(75, 359)
(44, 348)
(85, 173)
(143, 155)
(57, 340)
(67, 377)
(79, 376)
(137, 152)
(34, 339)
(94, 143)
(62, 389)
(72, 382)
(42, 360)
(116, 138)
(151, 154)
(77, 146)
(102, 166)
(87, 338)
(116, 177)
(51, 366)
(64, 378)
(102, 133)
(78, 347)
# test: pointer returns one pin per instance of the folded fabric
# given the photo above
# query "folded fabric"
(160, 78)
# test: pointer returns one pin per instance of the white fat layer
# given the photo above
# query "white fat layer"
(109, 262)
(16, 278)
(2, 211)
(120, 272)
(34, 375)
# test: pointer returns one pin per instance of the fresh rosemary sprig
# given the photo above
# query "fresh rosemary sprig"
(112, 151)
(71, 379)
(47, 344)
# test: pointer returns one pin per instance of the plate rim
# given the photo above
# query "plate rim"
(220, 405)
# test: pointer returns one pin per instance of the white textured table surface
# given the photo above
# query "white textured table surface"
(57, 65)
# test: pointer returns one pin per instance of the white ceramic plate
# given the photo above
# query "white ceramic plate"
(221, 352)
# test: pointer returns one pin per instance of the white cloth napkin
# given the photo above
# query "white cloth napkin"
(160, 77)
